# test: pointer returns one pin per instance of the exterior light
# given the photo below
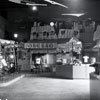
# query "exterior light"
(51, 23)
(15, 47)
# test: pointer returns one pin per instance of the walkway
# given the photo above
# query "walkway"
(46, 88)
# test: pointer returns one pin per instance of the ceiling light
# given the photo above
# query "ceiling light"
(34, 8)
(75, 14)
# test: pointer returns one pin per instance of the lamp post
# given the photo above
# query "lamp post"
(15, 48)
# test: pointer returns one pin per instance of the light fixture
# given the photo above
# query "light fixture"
(11, 56)
(27, 2)
(34, 8)
(15, 35)
(34, 4)
(75, 14)
(51, 23)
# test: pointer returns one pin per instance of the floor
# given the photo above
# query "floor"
(32, 87)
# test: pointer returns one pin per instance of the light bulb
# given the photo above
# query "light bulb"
(15, 35)
(34, 8)
(51, 23)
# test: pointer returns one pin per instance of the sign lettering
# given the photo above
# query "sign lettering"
(40, 45)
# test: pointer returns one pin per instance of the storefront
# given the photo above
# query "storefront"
(56, 48)
(7, 54)
(42, 47)
(43, 54)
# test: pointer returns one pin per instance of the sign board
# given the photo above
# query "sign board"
(40, 45)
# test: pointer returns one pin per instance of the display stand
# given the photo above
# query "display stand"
(72, 71)
(71, 66)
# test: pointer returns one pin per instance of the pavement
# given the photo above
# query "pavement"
(9, 82)
(43, 87)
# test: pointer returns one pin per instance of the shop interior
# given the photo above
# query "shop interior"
(56, 39)
(42, 62)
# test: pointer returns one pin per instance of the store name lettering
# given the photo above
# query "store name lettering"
(40, 45)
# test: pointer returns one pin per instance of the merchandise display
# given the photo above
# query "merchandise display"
(96, 65)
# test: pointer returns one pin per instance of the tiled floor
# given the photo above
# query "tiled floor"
(46, 88)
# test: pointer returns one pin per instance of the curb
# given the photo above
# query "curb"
(11, 82)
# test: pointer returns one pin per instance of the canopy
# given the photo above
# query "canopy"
(2, 41)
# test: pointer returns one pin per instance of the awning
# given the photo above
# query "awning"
(2, 41)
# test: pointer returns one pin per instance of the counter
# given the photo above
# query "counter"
(73, 72)
(94, 86)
